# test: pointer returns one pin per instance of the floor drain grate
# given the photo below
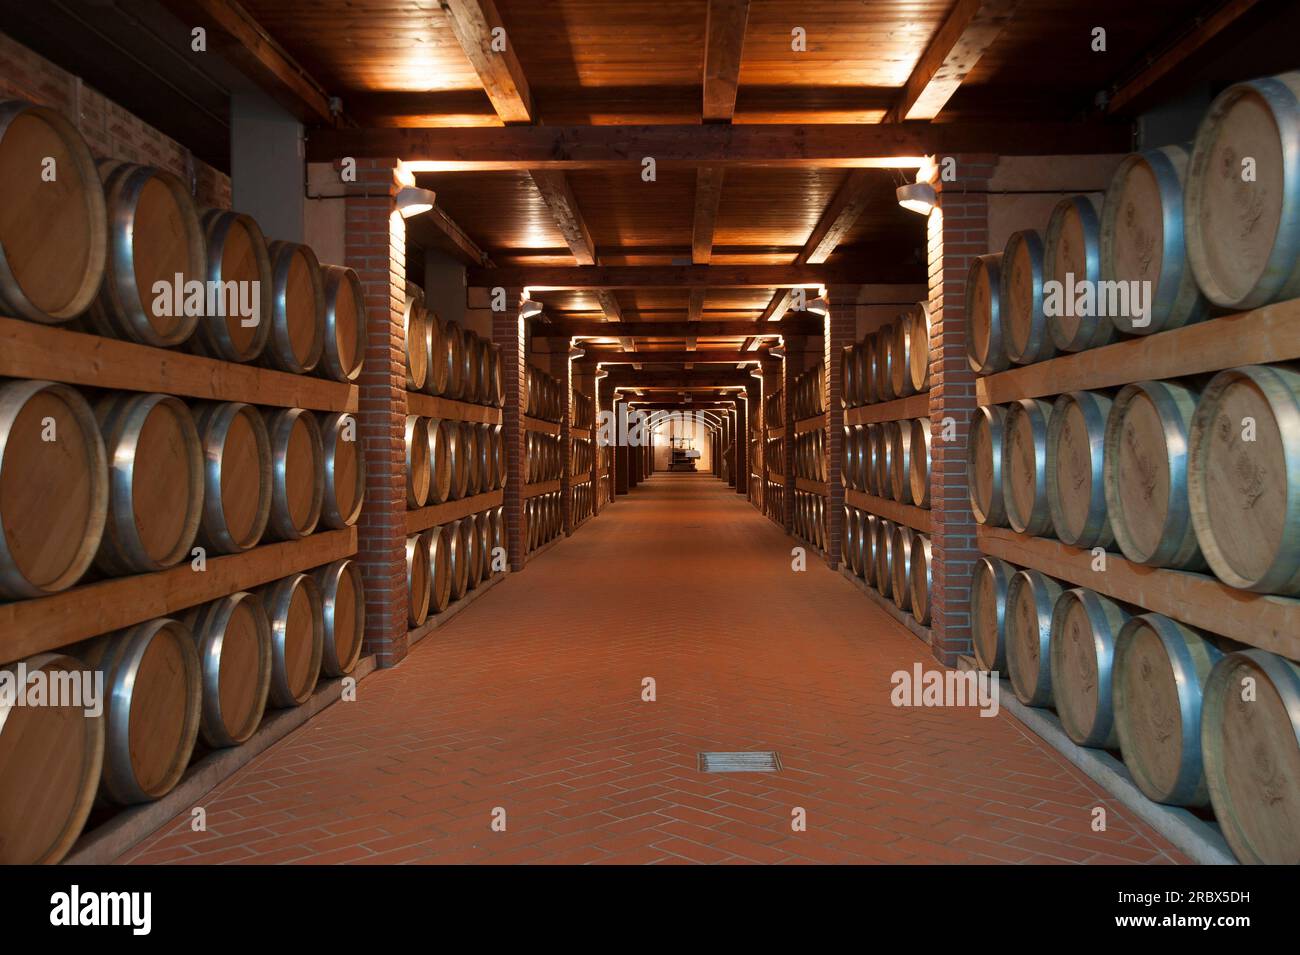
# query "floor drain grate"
(740, 763)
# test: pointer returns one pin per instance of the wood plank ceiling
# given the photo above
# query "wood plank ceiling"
(581, 63)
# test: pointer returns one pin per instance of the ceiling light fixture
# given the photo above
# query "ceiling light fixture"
(412, 200)
(529, 308)
(819, 305)
(575, 352)
(919, 197)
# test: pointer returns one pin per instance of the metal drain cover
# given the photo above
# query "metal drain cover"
(740, 763)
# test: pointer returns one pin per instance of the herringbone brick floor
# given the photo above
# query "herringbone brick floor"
(531, 702)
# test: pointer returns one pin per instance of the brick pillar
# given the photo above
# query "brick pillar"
(604, 402)
(742, 448)
(566, 446)
(508, 332)
(957, 231)
(621, 479)
(840, 330)
(375, 247)
(790, 368)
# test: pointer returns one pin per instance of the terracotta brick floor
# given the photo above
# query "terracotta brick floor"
(530, 701)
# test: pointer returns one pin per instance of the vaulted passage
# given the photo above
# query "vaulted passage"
(513, 706)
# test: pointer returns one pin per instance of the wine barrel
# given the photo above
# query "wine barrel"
(487, 458)
(344, 350)
(343, 615)
(435, 543)
(918, 475)
(900, 462)
(485, 364)
(984, 464)
(459, 459)
(1076, 486)
(900, 360)
(298, 314)
(53, 235)
(449, 535)
(918, 333)
(1146, 442)
(51, 758)
(435, 379)
(900, 566)
(345, 470)
(1142, 240)
(860, 462)
(53, 494)
(986, 348)
(418, 463)
(469, 366)
(151, 707)
(154, 235)
(848, 377)
(867, 546)
(155, 498)
(1024, 467)
(293, 606)
(483, 529)
(236, 475)
(453, 342)
(884, 556)
(417, 335)
(236, 253)
(1159, 676)
(1243, 238)
(1245, 494)
(297, 472)
(499, 530)
(1028, 627)
(885, 363)
(869, 371)
(1025, 333)
(463, 558)
(1072, 256)
(436, 431)
(1085, 626)
(988, 603)
(850, 544)
(1252, 755)
(498, 378)
(473, 458)
(885, 458)
(918, 573)
(232, 639)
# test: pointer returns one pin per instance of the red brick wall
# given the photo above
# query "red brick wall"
(375, 248)
(957, 232)
(841, 327)
(110, 131)
(507, 332)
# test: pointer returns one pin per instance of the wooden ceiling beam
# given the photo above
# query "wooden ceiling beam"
(240, 39)
(578, 328)
(561, 277)
(971, 28)
(724, 33)
(708, 196)
(502, 76)
(699, 378)
(703, 357)
(883, 145)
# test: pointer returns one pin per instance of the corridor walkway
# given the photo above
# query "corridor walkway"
(529, 706)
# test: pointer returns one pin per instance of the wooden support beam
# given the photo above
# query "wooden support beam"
(961, 40)
(437, 228)
(708, 194)
(473, 22)
(554, 186)
(741, 328)
(724, 41)
(560, 277)
(708, 356)
(234, 34)
(883, 145)
(699, 378)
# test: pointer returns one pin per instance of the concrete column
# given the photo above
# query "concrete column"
(268, 176)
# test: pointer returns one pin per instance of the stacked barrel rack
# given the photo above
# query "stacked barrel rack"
(772, 501)
(179, 485)
(1137, 477)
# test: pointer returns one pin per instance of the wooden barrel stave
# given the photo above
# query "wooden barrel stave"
(1026, 335)
(1024, 467)
(236, 252)
(986, 348)
(1028, 623)
(344, 338)
(1072, 257)
(232, 639)
(984, 456)
(919, 579)
(1085, 626)
(293, 606)
(343, 615)
(297, 472)
(297, 338)
(344, 489)
(1076, 485)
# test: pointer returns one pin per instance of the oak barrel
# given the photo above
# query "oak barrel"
(884, 556)
(53, 234)
(232, 638)
(464, 558)
(487, 459)
(1025, 333)
(869, 374)
(151, 707)
(417, 461)
(344, 489)
(868, 547)
(417, 338)
(918, 475)
(849, 377)
(984, 464)
(458, 456)
(900, 363)
(918, 573)
(851, 546)
(900, 462)
(343, 615)
(900, 566)
(1024, 467)
(884, 372)
(1085, 626)
(53, 494)
(1243, 237)
(435, 379)
(237, 257)
(298, 309)
(1028, 631)
(1072, 257)
(51, 758)
(449, 534)
(986, 348)
(154, 235)
(1252, 755)
(1147, 438)
(297, 472)
(344, 350)
(439, 460)
(498, 392)
(435, 543)
(293, 606)
(471, 378)
(990, 578)
(483, 529)
(236, 475)
(1142, 240)
(499, 531)
(1244, 478)
(917, 322)
(1076, 486)
(1159, 676)
(469, 439)
(453, 344)
(155, 498)
(419, 583)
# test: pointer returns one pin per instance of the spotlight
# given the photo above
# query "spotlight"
(777, 351)
(530, 309)
(819, 305)
(412, 200)
(918, 197)
(575, 352)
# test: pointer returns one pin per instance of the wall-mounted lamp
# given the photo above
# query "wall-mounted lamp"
(917, 197)
(529, 309)
(602, 373)
(575, 352)
(756, 373)
(819, 305)
(777, 351)
(412, 200)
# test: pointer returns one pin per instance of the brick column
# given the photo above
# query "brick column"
(957, 231)
(508, 332)
(791, 365)
(566, 446)
(375, 248)
(840, 330)
(604, 402)
(742, 448)
(621, 470)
